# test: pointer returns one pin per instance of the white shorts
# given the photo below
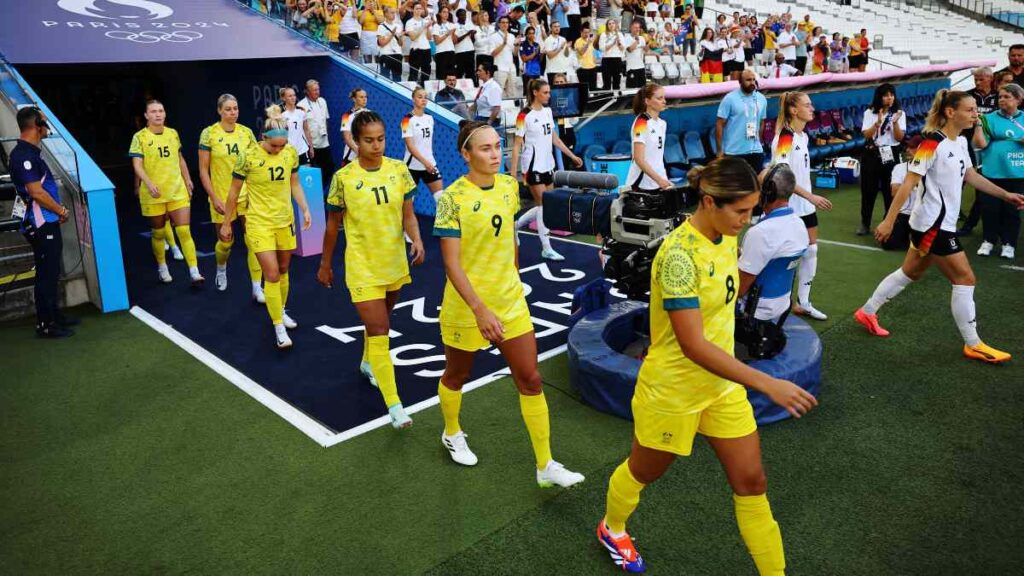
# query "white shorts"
(368, 44)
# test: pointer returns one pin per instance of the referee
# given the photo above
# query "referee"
(38, 205)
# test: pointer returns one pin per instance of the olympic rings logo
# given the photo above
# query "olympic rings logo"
(154, 36)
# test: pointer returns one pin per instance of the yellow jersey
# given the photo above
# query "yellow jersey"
(485, 220)
(225, 148)
(689, 271)
(269, 180)
(160, 155)
(373, 202)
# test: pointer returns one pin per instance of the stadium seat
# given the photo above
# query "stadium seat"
(623, 147)
(675, 158)
(588, 155)
(694, 148)
(711, 141)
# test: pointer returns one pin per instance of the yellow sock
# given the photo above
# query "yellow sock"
(535, 414)
(451, 404)
(284, 290)
(157, 240)
(761, 533)
(272, 292)
(379, 352)
(169, 234)
(255, 272)
(222, 250)
(188, 247)
(623, 497)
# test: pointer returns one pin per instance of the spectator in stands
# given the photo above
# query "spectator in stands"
(865, 47)
(688, 31)
(389, 40)
(38, 206)
(443, 33)
(539, 9)
(529, 55)
(884, 127)
(350, 28)
(418, 29)
(740, 120)
(698, 8)
(733, 60)
(503, 46)
(787, 43)
(464, 49)
(1002, 78)
(540, 29)
(482, 40)
(806, 25)
(710, 57)
(803, 46)
(370, 18)
(779, 69)
(299, 135)
(451, 97)
(819, 63)
(587, 71)
(900, 238)
(770, 45)
(572, 14)
(636, 47)
(332, 32)
(612, 44)
(837, 54)
(316, 117)
(487, 105)
(987, 100)
(1000, 141)
(1016, 67)
(556, 49)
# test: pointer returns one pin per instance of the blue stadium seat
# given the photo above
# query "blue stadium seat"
(589, 153)
(694, 147)
(711, 141)
(623, 147)
(675, 158)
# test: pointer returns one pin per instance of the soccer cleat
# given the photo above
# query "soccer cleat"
(196, 278)
(985, 353)
(1007, 252)
(458, 449)
(281, 334)
(863, 231)
(550, 254)
(167, 246)
(870, 322)
(364, 367)
(257, 294)
(176, 253)
(399, 419)
(221, 280)
(53, 330)
(554, 474)
(810, 312)
(622, 550)
(985, 249)
(164, 274)
(288, 322)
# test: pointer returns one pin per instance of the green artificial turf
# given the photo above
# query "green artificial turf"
(120, 454)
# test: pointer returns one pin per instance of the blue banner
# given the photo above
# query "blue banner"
(86, 31)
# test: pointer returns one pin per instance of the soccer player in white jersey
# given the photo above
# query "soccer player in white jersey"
(349, 153)
(418, 134)
(943, 163)
(647, 170)
(533, 155)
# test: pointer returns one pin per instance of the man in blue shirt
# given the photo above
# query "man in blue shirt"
(740, 119)
(38, 205)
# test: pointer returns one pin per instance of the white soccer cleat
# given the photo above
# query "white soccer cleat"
(811, 312)
(399, 419)
(458, 449)
(221, 280)
(1007, 252)
(164, 274)
(288, 322)
(550, 254)
(557, 475)
(176, 253)
(985, 249)
(257, 293)
(195, 277)
(281, 334)
(367, 371)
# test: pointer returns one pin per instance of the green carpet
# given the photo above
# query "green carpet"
(120, 454)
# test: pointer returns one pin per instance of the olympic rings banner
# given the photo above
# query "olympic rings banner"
(90, 31)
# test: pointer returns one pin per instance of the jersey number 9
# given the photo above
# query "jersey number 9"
(496, 224)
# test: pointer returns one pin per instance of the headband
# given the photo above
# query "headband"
(276, 133)
(473, 133)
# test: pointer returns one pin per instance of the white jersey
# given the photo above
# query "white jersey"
(421, 130)
(899, 174)
(394, 47)
(446, 45)
(791, 149)
(635, 59)
(347, 154)
(466, 45)
(414, 25)
(771, 251)
(297, 129)
(535, 128)
(942, 163)
(651, 133)
(559, 63)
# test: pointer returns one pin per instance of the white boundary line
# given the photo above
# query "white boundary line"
(315, 430)
(1012, 267)
(849, 245)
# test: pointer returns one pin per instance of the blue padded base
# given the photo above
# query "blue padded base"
(606, 378)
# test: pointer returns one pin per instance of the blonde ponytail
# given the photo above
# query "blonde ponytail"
(944, 98)
(275, 119)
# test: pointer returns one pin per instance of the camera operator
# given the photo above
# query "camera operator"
(771, 252)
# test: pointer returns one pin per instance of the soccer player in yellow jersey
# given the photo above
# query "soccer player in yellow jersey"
(166, 188)
(220, 145)
(373, 195)
(690, 382)
(270, 172)
(484, 302)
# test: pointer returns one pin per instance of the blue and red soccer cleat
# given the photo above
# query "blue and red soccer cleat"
(622, 551)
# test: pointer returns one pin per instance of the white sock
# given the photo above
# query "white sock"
(805, 275)
(962, 304)
(887, 289)
(527, 217)
(257, 286)
(221, 268)
(438, 194)
(162, 268)
(542, 230)
(193, 271)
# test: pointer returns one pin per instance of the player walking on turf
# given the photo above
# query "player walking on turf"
(790, 146)
(690, 382)
(270, 172)
(533, 153)
(484, 301)
(373, 195)
(943, 163)
(220, 145)
(418, 135)
(165, 189)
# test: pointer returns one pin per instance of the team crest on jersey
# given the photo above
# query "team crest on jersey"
(666, 438)
(476, 206)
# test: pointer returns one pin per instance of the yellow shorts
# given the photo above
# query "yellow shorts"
(269, 239)
(161, 208)
(218, 218)
(367, 293)
(470, 339)
(730, 416)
